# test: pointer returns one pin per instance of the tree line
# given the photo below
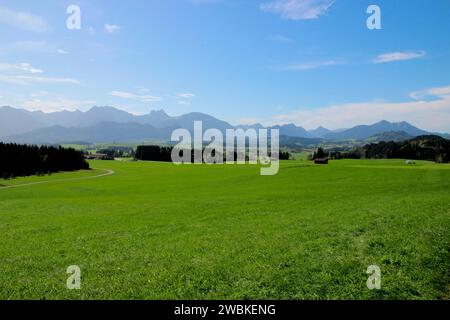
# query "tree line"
(117, 152)
(320, 153)
(154, 153)
(18, 160)
(164, 154)
(431, 148)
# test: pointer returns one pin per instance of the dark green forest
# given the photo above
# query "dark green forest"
(25, 160)
(432, 148)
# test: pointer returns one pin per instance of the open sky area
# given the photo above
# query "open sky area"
(310, 62)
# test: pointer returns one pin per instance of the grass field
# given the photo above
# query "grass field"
(160, 231)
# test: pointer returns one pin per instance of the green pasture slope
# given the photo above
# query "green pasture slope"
(161, 231)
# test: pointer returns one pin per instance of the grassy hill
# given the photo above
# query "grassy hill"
(160, 231)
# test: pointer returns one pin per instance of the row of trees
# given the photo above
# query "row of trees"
(154, 153)
(164, 154)
(25, 160)
(117, 152)
(284, 155)
(431, 148)
(320, 153)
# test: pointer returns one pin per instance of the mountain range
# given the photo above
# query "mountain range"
(106, 124)
(366, 131)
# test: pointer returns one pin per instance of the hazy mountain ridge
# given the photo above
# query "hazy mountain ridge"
(101, 132)
(366, 131)
(102, 124)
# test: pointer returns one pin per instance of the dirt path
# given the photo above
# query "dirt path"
(107, 173)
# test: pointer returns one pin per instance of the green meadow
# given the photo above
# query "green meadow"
(161, 231)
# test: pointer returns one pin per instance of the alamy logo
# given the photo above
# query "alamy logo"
(73, 22)
(74, 280)
(374, 20)
(374, 280)
(211, 148)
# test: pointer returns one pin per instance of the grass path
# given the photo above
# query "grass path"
(107, 172)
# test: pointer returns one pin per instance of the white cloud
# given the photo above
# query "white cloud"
(40, 93)
(142, 89)
(27, 46)
(32, 79)
(429, 115)
(307, 66)
(129, 95)
(185, 98)
(61, 51)
(111, 28)
(298, 9)
(186, 95)
(25, 74)
(27, 80)
(399, 56)
(23, 20)
(148, 98)
(122, 94)
(440, 92)
(20, 66)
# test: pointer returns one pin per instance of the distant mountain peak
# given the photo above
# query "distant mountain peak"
(100, 108)
(366, 131)
(9, 108)
(156, 116)
(319, 132)
(104, 108)
(159, 112)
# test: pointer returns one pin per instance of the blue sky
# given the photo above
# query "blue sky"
(311, 62)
